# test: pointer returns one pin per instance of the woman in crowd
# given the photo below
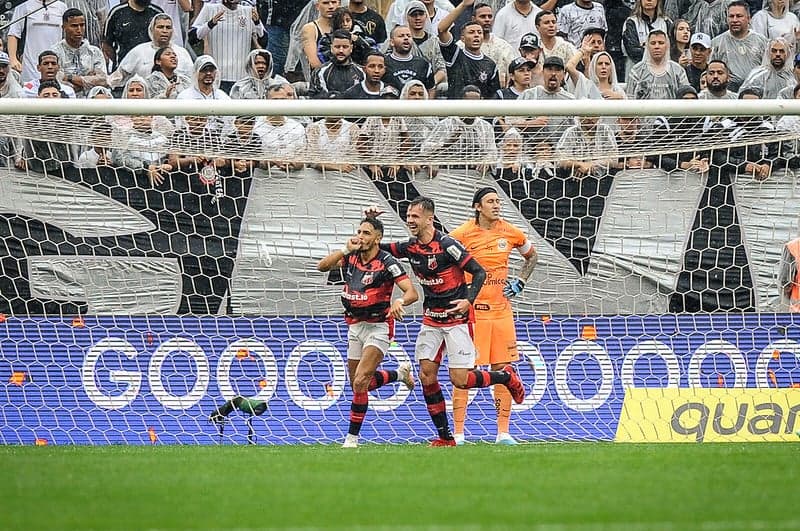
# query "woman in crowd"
(680, 52)
(164, 81)
(647, 15)
(601, 82)
(775, 20)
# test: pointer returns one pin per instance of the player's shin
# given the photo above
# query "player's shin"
(460, 399)
(437, 410)
(358, 410)
(502, 402)
(480, 378)
(381, 378)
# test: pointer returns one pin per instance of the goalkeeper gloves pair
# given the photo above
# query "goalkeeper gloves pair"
(513, 287)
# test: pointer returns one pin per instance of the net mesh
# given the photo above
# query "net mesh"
(653, 235)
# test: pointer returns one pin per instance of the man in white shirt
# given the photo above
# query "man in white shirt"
(227, 31)
(48, 71)
(574, 18)
(41, 22)
(552, 44)
(515, 20)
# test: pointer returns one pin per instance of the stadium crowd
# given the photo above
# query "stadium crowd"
(515, 49)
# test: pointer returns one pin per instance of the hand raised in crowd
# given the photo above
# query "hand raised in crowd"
(217, 18)
(157, 172)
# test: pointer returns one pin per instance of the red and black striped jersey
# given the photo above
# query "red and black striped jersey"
(439, 268)
(367, 292)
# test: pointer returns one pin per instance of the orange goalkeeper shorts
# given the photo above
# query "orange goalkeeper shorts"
(495, 340)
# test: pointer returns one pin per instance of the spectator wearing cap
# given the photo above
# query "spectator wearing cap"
(775, 20)
(741, 48)
(205, 81)
(775, 73)
(82, 65)
(552, 44)
(403, 66)
(424, 44)
(700, 49)
(371, 86)
(9, 87)
(530, 49)
(41, 23)
(574, 18)
(656, 76)
(227, 31)
(515, 19)
(788, 93)
(717, 80)
(495, 48)
(647, 15)
(520, 71)
(467, 65)
(545, 128)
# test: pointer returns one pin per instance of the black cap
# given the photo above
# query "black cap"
(553, 60)
(520, 62)
(530, 40)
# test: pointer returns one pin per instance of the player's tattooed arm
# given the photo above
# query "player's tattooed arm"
(529, 265)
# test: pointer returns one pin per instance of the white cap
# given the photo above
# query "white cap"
(701, 39)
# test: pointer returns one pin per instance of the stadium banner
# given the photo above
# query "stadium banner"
(709, 415)
(143, 380)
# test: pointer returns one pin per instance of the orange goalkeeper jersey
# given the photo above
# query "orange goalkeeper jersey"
(491, 248)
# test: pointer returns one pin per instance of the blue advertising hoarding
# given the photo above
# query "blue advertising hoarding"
(143, 380)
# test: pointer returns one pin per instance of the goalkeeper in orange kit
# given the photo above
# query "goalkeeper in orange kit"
(490, 239)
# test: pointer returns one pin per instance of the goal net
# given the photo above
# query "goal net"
(159, 263)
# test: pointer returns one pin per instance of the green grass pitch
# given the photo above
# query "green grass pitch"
(540, 487)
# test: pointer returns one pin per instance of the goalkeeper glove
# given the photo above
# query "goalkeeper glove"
(514, 286)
